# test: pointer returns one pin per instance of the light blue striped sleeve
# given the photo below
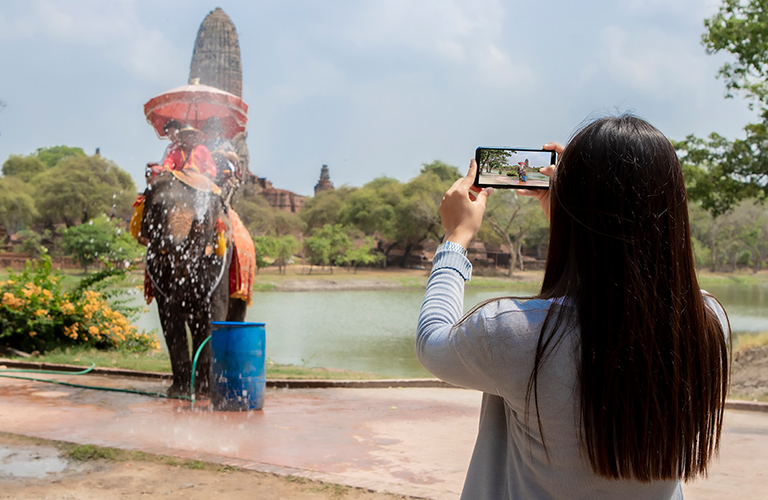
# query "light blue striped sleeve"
(456, 354)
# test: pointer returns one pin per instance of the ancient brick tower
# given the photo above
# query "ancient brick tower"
(216, 62)
(324, 184)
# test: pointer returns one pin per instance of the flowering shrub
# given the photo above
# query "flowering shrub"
(36, 314)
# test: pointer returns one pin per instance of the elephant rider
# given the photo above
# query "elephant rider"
(189, 153)
(171, 130)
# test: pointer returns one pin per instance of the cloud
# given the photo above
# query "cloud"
(648, 60)
(111, 29)
(444, 28)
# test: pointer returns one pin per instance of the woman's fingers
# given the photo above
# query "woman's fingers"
(549, 171)
(554, 146)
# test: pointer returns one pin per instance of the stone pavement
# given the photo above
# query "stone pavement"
(410, 441)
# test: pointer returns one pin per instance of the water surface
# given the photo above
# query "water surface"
(374, 331)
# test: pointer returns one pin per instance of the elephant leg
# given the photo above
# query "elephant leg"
(237, 310)
(200, 325)
(172, 321)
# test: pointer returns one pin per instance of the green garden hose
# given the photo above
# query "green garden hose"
(194, 366)
(191, 396)
(54, 372)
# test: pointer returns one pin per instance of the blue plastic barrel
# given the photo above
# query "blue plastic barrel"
(237, 367)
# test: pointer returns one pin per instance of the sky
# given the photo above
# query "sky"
(369, 87)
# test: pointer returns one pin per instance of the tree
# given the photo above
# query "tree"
(371, 209)
(17, 206)
(513, 217)
(264, 247)
(32, 243)
(285, 247)
(720, 173)
(710, 168)
(363, 254)
(262, 219)
(23, 167)
(324, 208)
(327, 246)
(494, 159)
(417, 213)
(80, 188)
(401, 215)
(52, 155)
(443, 171)
(100, 238)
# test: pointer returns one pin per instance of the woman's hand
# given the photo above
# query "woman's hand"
(463, 207)
(543, 194)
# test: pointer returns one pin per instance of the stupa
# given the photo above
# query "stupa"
(216, 62)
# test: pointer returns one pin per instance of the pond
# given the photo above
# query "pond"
(373, 331)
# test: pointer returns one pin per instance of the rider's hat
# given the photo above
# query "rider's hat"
(186, 129)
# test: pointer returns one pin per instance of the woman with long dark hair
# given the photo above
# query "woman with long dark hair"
(611, 383)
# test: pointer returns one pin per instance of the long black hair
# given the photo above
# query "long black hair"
(653, 372)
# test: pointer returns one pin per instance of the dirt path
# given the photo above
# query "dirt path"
(749, 375)
(37, 469)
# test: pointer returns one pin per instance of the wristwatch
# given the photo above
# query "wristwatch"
(452, 247)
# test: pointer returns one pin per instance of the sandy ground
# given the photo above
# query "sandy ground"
(749, 375)
(35, 469)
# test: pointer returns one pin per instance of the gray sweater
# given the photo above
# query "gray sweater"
(493, 352)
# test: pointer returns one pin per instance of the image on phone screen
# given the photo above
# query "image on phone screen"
(516, 168)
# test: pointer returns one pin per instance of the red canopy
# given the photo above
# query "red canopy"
(193, 104)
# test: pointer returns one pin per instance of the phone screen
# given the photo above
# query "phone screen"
(515, 168)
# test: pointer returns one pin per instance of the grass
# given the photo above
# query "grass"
(89, 452)
(708, 278)
(745, 341)
(159, 362)
(150, 362)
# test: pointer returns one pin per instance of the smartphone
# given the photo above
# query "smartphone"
(514, 168)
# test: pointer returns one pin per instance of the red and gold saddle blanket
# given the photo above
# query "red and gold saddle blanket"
(196, 180)
(242, 271)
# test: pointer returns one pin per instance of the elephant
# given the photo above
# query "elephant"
(188, 231)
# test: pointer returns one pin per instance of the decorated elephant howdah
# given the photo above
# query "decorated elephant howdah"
(189, 234)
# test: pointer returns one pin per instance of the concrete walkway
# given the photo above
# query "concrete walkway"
(411, 441)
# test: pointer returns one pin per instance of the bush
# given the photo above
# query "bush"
(36, 314)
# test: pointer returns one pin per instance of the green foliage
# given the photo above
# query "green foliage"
(372, 208)
(495, 159)
(80, 188)
(720, 173)
(515, 219)
(262, 219)
(442, 171)
(17, 205)
(265, 247)
(721, 241)
(327, 246)
(324, 208)
(363, 254)
(52, 155)
(36, 314)
(279, 250)
(101, 238)
(285, 247)
(23, 168)
(31, 243)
